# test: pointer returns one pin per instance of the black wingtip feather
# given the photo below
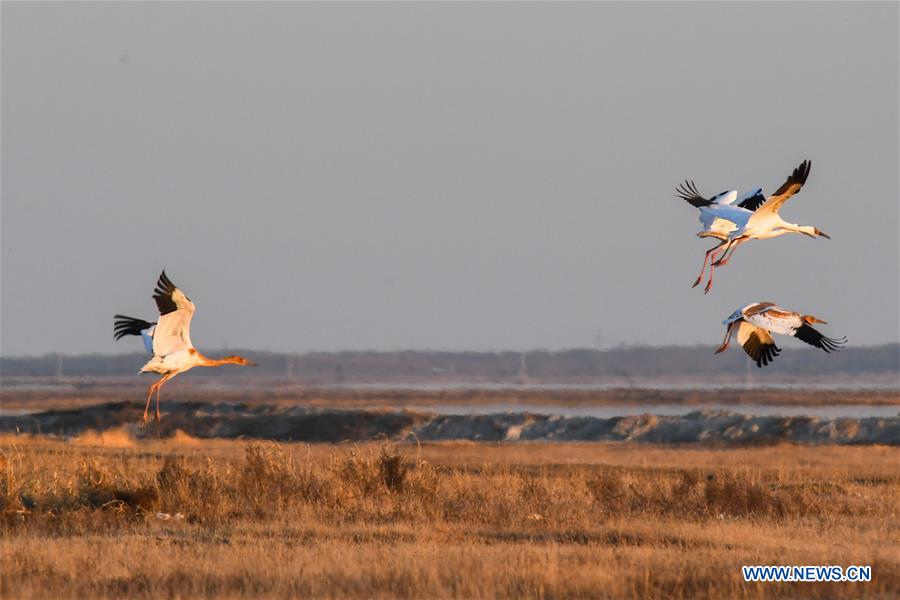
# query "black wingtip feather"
(163, 294)
(688, 191)
(165, 284)
(753, 202)
(801, 173)
(759, 352)
(807, 333)
(124, 325)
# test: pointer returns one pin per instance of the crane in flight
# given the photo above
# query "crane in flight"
(169, 339)
(733, 220)
(754, 325)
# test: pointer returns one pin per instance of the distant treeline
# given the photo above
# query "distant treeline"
(624, 362)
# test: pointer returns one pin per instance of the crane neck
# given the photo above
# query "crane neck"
(205, 361)
(804, 229)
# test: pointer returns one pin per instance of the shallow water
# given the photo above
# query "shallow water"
(16, 412)
(610, 411)
(602, 387)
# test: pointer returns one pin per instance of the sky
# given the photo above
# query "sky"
(453, 176)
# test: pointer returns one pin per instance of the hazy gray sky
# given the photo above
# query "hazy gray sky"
(448, 176)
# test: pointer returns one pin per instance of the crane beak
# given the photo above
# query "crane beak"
(822, 234)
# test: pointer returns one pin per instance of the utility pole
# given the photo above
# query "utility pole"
(523, 369)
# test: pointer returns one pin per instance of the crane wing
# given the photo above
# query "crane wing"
(774, 319)
(757, 343)
(173, 331)
(718, 228)
(811, 336)
(721, 219)
(130, 326)
(725, 198)
(688, 191)
(757, 307)
(123, 326)
(788, 188)
(753, 200)
(169, 298)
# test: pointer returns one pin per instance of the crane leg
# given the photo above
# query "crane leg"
(159, 385)
(718, 263)
(149, 397)
(709, 281)
(726, 256)
(154, 388)
(706, 258)
(739, 242)
(156, 417)
(728, 248)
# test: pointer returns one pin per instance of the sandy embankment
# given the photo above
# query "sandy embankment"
(274, 422)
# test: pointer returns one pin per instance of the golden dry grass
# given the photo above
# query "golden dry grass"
(113, 517)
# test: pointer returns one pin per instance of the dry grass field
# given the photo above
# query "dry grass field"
(108, 516)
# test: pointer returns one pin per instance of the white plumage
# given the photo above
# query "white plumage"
(719, 221)
(754, 324)
(172, 338)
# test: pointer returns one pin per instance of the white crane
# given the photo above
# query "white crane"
(169, 340)
(753, 217)
(755, 323)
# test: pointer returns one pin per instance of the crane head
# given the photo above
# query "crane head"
(735, 316)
